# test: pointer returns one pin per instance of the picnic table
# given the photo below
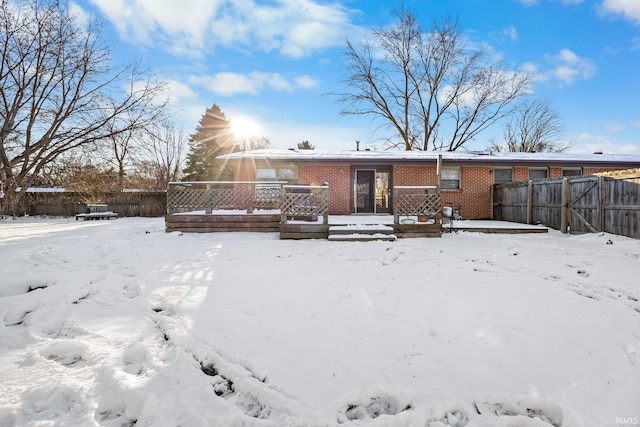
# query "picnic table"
(95, 212)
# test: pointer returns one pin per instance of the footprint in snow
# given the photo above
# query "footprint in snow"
(373, 408)
(513, 406)
(633, 355)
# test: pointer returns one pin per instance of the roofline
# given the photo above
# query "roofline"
(313, 157)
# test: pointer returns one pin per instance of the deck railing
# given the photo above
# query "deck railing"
(211, 196)
(419, 201)
(305, 202)
(294, 202)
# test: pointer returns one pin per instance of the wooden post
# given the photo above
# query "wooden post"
(564, 209)
(530, 202)
(491, 201)
(325, 215)
(438, 173)
(283, 204)
(396, 215)
(602, 201)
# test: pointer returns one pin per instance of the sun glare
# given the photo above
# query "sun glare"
(246, 127)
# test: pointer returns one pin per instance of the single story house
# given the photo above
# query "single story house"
(361, 182)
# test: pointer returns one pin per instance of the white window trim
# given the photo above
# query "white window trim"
(502, 168)
(459, 170)
(538, 169)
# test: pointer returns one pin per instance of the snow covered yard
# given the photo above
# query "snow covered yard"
(118, 323)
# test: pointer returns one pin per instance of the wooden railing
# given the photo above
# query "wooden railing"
(423, 202)
(211, 196)
(293, 202)
(305, 202)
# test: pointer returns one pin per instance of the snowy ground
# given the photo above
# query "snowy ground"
(118, 323)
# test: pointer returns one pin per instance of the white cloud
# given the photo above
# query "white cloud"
(191, 27)
(228, 84)
(178, 92)
(511, 32)
(569, 67)
(178, 27)
(79, 14)
(587, 143)
(629, 8)
(306, 82)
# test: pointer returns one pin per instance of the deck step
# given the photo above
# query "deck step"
(361, 229)
(361, 233)
(360, 237)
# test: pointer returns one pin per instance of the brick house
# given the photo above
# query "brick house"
(360, 181)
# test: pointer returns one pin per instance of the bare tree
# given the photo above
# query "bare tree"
(535, 127)
(59, 91)
(434, 90)
(252, 143)
(165, 149)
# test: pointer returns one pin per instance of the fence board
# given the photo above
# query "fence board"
(593, 203)
(71, 203)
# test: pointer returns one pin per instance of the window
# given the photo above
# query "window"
(288, 174)
(266, 175)
(502, 175)
(450, 179)
(571, 171)
(538, 173)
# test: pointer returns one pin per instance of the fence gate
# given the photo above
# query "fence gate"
(583, 208)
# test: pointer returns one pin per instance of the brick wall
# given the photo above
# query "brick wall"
(473, 200)
(337, 176)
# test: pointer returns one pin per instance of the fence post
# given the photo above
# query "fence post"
(564, 210)
(602, 200)
(529, 202)
(491, 201)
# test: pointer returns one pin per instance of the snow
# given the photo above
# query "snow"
(415, 155)
(127, 324)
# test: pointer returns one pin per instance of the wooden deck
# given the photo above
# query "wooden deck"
(209, 223)
(271, 222)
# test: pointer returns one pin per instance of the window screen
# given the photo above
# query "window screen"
(538, 173)
(502, 175)
(450, 179)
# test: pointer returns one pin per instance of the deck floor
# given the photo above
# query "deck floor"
(485, 226)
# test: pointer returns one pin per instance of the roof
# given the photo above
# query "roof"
(448, 157)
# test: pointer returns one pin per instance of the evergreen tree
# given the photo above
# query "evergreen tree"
(305, 145)
(212, 139)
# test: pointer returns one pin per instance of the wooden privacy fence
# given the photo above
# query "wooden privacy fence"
(70, 203)
(572, 204)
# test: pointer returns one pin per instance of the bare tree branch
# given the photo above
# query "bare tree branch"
(59, 91)
(432, 89)
(534, 128)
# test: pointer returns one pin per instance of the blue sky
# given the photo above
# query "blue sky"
(269, 64)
